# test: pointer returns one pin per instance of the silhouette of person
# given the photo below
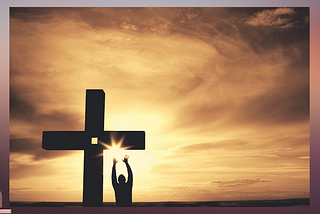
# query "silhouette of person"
(123, 189)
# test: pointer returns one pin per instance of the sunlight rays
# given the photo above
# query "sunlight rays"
(115, 147)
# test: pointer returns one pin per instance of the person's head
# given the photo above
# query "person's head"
(121, 179)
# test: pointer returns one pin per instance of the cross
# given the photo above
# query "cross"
(90, 141)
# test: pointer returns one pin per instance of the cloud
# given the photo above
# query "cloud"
(216, 146)
(34, 149)
(279, 17)
(278, 106)
(22, 171)
(126, 26)
(19, 107)
(19, 189)
(22, 109)
(27, 123)
(236, 183)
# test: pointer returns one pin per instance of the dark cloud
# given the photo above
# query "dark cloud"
(34, 148)
(42, 14)
(207, 24)
(279, 17)
(105, 17)
(286, 102)
(22, 110)
(22, 145)
(25, 110)
(28, 13)
(228, 24)
(265, 37)
(19, 107)
(278, 106)
(236, 183)
(54, 120)
(102, 17)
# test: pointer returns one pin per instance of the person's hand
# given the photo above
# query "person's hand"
(115, 160)
(125, 158)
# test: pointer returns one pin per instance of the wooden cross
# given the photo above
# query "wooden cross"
(90, 141)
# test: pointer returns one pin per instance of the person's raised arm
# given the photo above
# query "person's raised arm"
(114, 174)
(130, 176)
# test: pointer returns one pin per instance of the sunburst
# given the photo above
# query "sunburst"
(115, 147)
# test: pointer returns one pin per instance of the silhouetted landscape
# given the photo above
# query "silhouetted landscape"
(297, 202)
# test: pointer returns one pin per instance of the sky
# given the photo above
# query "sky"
(222, 94)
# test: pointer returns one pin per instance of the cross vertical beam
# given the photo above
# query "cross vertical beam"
(93, 158)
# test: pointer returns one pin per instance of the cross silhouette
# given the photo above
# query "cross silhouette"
(91, 141)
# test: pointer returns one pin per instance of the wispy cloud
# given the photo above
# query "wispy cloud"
(236, 183)
(279, 17)
(127, 26)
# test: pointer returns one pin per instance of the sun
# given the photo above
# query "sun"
(115, 149)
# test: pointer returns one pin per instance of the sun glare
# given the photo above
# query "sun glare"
(115, 148)
(116, 151)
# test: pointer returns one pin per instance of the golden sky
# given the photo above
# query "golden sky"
(222, 94)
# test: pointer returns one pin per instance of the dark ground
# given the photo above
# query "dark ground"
(298, 202)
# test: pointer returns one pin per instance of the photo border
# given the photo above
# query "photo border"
(314, 101)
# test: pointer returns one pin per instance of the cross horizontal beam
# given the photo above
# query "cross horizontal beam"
(80, 140)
